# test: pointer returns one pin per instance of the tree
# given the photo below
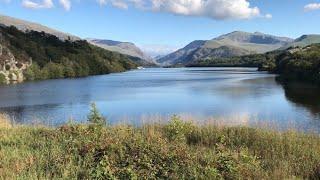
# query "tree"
(95, 117)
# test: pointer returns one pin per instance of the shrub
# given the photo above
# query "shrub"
(95, 117)
(3, 79)
(33, 72)
(176, 129)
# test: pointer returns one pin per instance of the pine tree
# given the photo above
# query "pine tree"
(95, 117)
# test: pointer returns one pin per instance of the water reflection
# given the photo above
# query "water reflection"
(303, 95)
(230, 95)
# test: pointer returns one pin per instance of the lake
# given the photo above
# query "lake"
(230, 95)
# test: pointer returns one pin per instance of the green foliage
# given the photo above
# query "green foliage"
(2, 79)
(95, 117)
(177, 130)
(301, 65)
(123, 152)
(255, 60)
(53, 58)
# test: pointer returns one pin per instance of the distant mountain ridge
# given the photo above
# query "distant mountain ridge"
(303, 41)
(127, 48)
(23, 25)
(236, 43)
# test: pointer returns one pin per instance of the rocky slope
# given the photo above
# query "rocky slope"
(11, 69)
(233, 44)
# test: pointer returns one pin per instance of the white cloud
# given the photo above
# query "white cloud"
(312, 7)
(102, 2)
(45, 4)
(268, 16)
(119, 4)
(66, 4)
(215, 9)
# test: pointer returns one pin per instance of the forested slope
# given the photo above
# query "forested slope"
(54, 58)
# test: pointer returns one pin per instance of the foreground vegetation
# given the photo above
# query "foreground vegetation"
(176, 150)
(53, 58)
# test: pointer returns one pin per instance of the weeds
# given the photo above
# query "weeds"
(177, 150)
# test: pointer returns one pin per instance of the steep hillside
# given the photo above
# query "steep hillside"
(122, 47)
(300, 63)
(180, 55)
(30, 26)
(53, 58)
(229, 45)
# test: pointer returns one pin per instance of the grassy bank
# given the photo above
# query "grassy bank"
(177, 150)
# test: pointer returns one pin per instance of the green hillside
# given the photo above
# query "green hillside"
(230, 45)
(303, 41)
(301, 64)
(53, 58)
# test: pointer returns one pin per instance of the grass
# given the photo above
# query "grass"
(177, 150)
(5, 121)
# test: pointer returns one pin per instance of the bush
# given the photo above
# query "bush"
(32, 73)
(177, 130)
(124, 152)
(95, 117)
(3, 79)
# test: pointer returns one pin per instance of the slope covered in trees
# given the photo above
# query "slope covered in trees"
(53, 58)
(295, 63)
(302, 64)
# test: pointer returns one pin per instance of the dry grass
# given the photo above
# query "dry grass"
(177, 150)
(5, 121)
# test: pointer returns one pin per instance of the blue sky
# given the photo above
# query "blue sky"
(168, 23)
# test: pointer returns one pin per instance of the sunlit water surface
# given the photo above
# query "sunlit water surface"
(230, 95)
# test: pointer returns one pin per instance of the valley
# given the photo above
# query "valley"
(159, 89)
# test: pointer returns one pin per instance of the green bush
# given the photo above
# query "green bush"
(176, 150)
(2, 79)
(177, 130)
(95, 117)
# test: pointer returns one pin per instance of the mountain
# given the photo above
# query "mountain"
(237, 43)
(304, 41)
(181, 54)
(121, 47)
(127, 48)
(28, 26)
(33, 55)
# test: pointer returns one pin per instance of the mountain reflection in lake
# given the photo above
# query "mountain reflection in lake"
(239, 95)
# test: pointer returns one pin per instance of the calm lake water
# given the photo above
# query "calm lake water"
(231, 95)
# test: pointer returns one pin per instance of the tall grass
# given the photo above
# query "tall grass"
(5, 121)
(176, 150)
